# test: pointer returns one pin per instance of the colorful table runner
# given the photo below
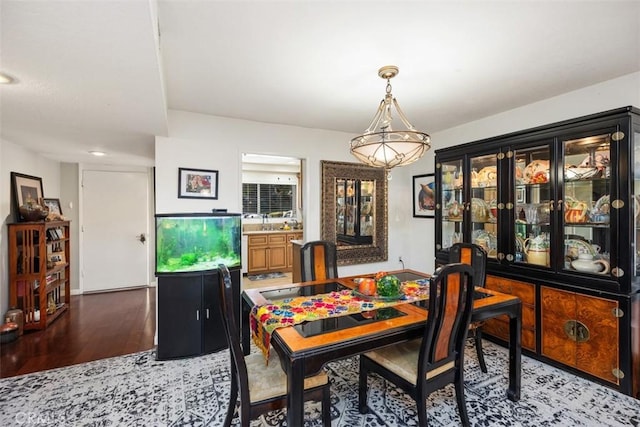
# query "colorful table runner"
(266, 318)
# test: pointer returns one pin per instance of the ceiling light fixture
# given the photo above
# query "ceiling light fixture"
(97, 153)
(6, 79)
(382, 146)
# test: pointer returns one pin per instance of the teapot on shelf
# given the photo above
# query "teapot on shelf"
(536, 250)
(576, 211)
(587, 264)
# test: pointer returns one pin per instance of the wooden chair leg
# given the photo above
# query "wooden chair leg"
(462, 404)
(233, 398)
(326, 406)
(362, 389)
(421, 404)
(478, 340)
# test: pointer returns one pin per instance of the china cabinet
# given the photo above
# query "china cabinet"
(39, 271)
(557, 209)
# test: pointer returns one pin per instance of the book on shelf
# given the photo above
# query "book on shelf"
(51, 278)
(55, 234)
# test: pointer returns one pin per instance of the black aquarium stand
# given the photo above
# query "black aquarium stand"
(189, 316)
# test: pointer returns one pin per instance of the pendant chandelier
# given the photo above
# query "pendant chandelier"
(382, 146)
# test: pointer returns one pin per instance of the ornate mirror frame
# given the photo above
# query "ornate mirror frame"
(354, 254)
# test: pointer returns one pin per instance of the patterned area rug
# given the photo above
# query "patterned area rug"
(265, 276)
(137, 390)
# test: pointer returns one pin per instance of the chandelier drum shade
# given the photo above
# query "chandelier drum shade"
(382, 146)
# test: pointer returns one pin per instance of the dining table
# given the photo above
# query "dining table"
(304, 348)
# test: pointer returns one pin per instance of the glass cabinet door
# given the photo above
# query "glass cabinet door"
(533, 200)
(367, 207)
(484, 203)
(586, 204)
(340, 206)
(452, 201)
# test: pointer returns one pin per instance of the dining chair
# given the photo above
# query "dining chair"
(262, 385)
(476, 256)
(424, 365)
(319, 260)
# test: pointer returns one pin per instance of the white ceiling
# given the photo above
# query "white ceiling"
(90, 75)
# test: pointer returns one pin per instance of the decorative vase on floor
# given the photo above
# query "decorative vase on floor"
(16, 316)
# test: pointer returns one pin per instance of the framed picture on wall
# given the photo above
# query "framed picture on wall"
(424, 196)
(197, 184)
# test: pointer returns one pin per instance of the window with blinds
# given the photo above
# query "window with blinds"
(275, 199)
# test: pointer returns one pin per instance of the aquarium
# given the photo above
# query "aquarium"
(197, 242)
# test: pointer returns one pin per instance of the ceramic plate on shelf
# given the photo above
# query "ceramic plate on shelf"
(536, 172)
(487, 177)
(576, 173)
(602, 205)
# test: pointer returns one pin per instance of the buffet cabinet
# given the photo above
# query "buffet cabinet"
(39, 271)
(557, 210)
(499, 326)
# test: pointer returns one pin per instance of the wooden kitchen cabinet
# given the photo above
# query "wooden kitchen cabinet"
(290, 237)
(499, 326)
(581, 331)
(267, 252)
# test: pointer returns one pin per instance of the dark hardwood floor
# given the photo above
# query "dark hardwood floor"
(96, 327)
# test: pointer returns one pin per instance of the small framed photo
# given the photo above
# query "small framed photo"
(26, 189)
(57, 258)
(197, 184)
(424, 196)
(53, 205)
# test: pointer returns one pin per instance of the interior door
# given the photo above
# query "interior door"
(114, 217)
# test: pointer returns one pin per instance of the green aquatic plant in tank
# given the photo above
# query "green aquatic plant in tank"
(197, 242)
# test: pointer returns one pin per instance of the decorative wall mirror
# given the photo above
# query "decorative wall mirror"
(354, 211)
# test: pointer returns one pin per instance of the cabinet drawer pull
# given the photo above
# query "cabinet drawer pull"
(207, 313)
(617, 373)
(197, 314)
(576, 331)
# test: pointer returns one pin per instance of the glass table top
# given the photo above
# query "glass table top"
(318, 327)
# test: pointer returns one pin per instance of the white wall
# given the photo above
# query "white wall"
(608, 95)
(206, 142)
(17, 159)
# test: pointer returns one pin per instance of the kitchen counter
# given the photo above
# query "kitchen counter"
(293, 230)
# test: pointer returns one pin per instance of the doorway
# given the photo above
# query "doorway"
(114, 230)
(266, 184)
